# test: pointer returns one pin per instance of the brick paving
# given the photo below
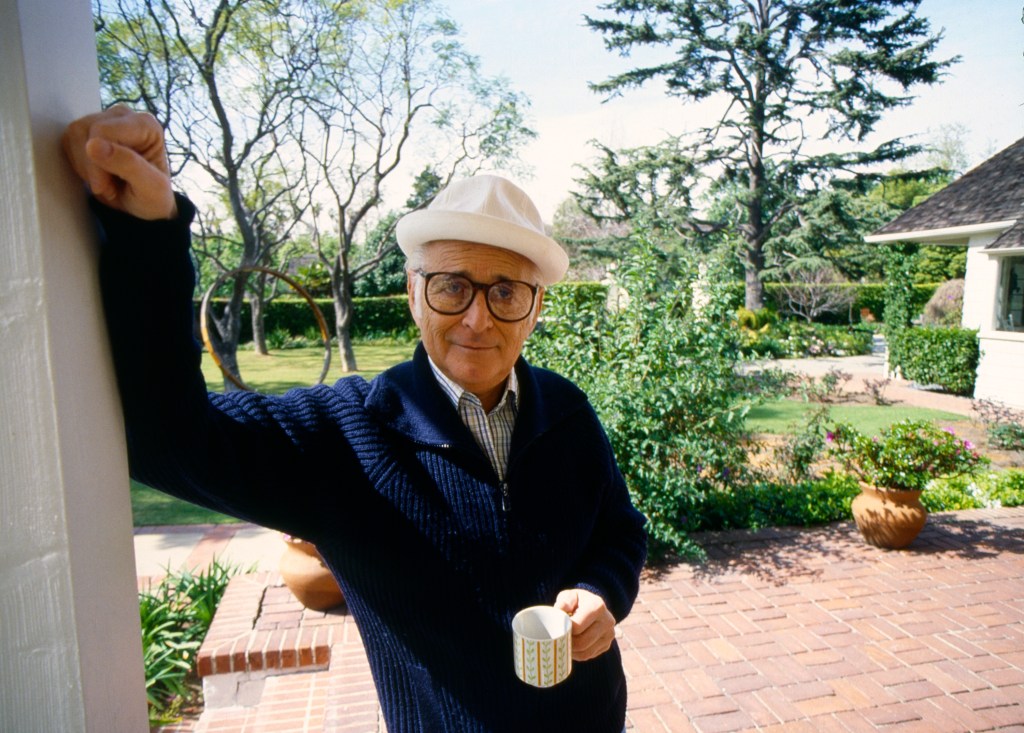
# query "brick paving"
(779, 630)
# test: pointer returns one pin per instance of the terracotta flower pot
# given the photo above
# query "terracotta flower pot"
(306, 576)
(889, 518)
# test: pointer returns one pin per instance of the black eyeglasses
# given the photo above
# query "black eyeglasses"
(450, 294)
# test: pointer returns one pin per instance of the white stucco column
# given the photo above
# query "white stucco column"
(980, 285)
(70, 654)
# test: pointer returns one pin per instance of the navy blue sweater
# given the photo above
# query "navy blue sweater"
(401, 502)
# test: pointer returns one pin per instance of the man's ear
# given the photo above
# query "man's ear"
(537, 309)
(410, 289)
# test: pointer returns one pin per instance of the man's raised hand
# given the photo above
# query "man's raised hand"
(120, 154)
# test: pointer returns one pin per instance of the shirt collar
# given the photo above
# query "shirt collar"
(455, 392)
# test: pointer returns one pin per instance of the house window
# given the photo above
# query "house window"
(1011, 294)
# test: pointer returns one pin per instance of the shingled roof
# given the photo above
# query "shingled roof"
(991, 192)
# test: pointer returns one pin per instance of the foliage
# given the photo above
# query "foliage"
(1006, 488)
(829, 226)
(984, 490)
(939, 263)
(947, 357)
(760, 504)
(175, 616)
(797, 340)
(660, 370)
(946, 306)
(1006, 436)
(784, 72)
(649, 184)
(1005, 425)
(796, 457)
(898, 311)
(906, 455)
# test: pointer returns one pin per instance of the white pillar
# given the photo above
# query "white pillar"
(70, 653)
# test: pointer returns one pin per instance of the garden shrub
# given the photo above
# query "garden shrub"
(946, 306)
(990, 489)
(947, 357)
(1006, 436)
(796, 340)
(175, 616)
(1007, 488)
(661, 375)
(760, 504)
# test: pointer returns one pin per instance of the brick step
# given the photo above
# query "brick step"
(261, 630)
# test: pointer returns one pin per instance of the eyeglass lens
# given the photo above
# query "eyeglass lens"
(450, 294)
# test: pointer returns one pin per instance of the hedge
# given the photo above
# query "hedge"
(947, 357)
(378, 317)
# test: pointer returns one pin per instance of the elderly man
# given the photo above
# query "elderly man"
(445, 495)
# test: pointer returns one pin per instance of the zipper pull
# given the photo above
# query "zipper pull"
(505, 502)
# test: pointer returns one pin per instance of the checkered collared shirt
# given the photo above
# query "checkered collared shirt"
(493, 430)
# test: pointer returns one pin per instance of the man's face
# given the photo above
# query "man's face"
(473, 348)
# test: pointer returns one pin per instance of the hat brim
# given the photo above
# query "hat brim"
(418, 228)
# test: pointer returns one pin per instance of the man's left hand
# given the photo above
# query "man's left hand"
(593, 626)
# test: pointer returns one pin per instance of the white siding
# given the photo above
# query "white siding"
(1001, 371)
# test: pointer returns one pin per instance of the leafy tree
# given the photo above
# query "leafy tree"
(787, 72)
(289, 111)
(394, 80)
(220, 76)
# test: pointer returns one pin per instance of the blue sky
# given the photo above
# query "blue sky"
(546, 51)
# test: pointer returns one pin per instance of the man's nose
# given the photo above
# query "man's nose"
(477, 316)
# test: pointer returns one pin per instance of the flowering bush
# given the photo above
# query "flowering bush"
(906, 455)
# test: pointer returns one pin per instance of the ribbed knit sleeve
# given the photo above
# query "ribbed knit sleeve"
(237, 453)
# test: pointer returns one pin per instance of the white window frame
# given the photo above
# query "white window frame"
(1010, 294)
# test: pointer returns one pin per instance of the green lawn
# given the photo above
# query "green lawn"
(275, 373)
(281, 370)
(786, 416)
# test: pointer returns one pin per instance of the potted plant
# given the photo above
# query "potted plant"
(894, 467)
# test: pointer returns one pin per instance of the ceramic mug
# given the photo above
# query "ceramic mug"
(542, 645)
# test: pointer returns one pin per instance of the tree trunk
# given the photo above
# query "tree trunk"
(259, 331)
(225, 331)
(342, 296)
(753, 264)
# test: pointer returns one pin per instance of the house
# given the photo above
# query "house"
(983, 209)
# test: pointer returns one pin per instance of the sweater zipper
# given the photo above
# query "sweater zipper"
(506, 504)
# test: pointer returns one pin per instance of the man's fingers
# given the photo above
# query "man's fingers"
(120, 154)
(568, 601)
(593, 626)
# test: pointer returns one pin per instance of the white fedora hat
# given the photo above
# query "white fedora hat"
(485, 210)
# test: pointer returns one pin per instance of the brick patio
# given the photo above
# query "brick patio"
(781, 630)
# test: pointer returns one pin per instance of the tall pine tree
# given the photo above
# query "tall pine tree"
(786, 73)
